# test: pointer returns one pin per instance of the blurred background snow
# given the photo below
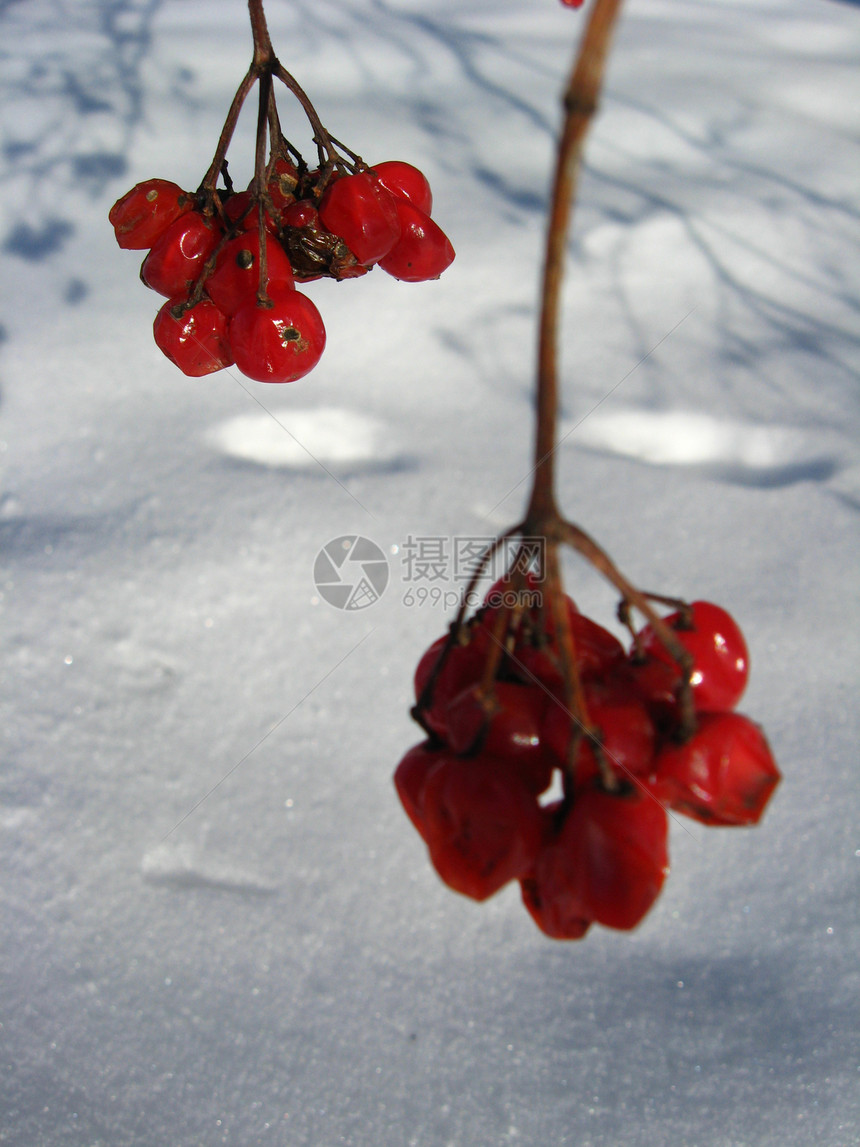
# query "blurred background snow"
(218, 925)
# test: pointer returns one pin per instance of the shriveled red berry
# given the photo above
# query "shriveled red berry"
(423, 250)
(197, 341)
(724, 775)
(409, 778)
(612, 849)
(483, 824)
(405, 182)
(145, 212)
(554, 905)
(179, 255)
(551, 891)
(720, 656)
(359, 210)
(280, 343)
(236, 277)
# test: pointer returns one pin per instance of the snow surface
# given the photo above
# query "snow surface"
(218, 925)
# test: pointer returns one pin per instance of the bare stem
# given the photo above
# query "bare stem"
(580, 102)
(321, 137)
(263, 54)
(259, 185)
(211, 176)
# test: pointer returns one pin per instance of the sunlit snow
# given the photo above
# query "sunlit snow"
(218, 924)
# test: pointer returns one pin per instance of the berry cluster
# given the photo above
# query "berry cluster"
(643, 734)
(228, 262)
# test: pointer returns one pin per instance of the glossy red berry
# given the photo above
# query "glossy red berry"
(720, 657)
(513, 731)
(423, 250)
(236, 277)
(241, 210)
(282, 184)
(301, 214)
(405, 182)
(179, 255)
(656, 684)
(280, 343)
(483, 824)
(145, 212)
(613, 850)
(724, 775)
(360, 211)
(197, 340)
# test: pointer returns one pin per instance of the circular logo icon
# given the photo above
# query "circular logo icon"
(351, 572)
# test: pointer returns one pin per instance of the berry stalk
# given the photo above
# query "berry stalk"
(580, 104)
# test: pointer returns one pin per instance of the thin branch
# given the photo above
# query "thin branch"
(580, 102)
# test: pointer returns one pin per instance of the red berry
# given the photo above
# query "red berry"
(656, 684)
(596, 651)
(612, 850)
(554, 905)
(241, 210)
(405, 182)
(282, 184)
(551, 891)
(463, 666)
(236, 278)
(626, 733)
(279, 343)
(196, 341)
(360, 211)
(483, 824)
(301, 214)
(513, 731)
(724, 775)
(423, 250)
(145, 212)
(179, 255)
(409, 779)
(720, 657)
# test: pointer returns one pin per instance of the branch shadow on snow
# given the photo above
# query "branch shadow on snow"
(89, 88)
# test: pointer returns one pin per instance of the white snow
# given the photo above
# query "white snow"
(218, 924)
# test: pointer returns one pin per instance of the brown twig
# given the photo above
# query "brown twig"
(580, 104)
(542, 518)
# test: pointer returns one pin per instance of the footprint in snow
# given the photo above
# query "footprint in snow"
(735, 452)
(323, 438)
